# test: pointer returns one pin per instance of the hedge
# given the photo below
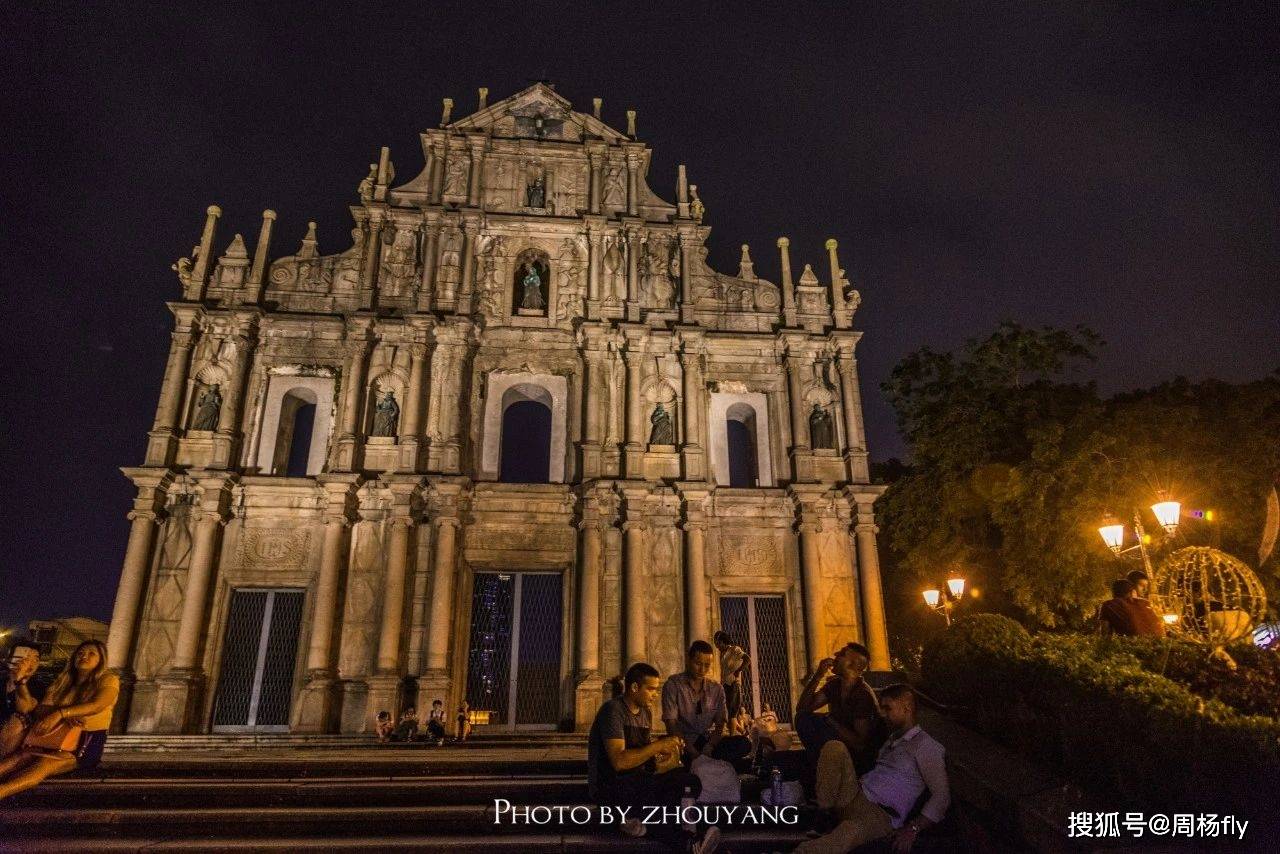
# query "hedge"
(1094, 712)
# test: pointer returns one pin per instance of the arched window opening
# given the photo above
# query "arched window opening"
(294, 434)
(741, 426)
(526, 443)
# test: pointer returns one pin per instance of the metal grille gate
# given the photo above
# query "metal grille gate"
(759, 625)
(255, 687)
(513, 661)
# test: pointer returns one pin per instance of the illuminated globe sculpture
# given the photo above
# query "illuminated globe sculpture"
(1216, 598)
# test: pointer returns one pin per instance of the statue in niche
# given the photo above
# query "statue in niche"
(208, 408)
(661, 431)
(821, 432)
(398, 266)
(366, 186)
(615, 188)
(455, 177)
(531, 294)
(536, 193)
(386, 415)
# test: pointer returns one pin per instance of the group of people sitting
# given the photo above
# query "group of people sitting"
(408, 728)
(873, 772)
(1128, 611)
(64, 726)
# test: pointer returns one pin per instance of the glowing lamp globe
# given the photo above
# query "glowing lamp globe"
(1167, 513)
(1113, 536)
(956, 586)
(931, 597)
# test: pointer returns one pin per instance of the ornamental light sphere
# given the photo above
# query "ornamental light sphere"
(1215, 598)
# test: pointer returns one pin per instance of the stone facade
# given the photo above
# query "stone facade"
(528, 262)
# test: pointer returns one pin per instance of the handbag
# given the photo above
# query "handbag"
(65, 737)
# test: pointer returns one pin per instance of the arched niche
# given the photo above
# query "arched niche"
(527, 298)
(749, 412)
(505, 389)
(285, 399)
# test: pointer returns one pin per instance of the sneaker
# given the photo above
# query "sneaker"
(709, 842)
(633, 827)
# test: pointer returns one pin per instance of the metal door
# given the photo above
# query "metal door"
(759, 625)
(255, 687)
(513, 661)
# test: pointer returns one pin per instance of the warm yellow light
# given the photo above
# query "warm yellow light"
(973, 591)
(931, 597)
(1210, 515)
(1171, 618)
(1113, 535)
(1167, 513)
(956, 586)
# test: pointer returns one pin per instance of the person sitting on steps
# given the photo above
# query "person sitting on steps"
(852, 711)
(693, 707)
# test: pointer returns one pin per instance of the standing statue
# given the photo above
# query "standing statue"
(208, 408)
(615, 188)
(386, 416)
(662, 432)
(536, 193)
(532, 283)
(821, 433)
(696, 208)
(366, 186)
(455, 177)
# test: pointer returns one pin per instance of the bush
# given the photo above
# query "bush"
(1253, 688)
(1094, 710)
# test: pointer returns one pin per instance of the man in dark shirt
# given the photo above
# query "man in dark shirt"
(1126, 614)
(853, 712)
(626, 768)
(18, 699)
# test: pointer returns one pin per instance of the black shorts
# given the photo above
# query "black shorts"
(89, 751)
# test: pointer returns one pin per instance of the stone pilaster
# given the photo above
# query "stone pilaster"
(476, 177)
(636, 438)
(593, 381)
(870, 589)
(694, 406)
(384, 685)
(697, 606)
(352, 400)
(851, 398)
(162, 441)
(633, 183)
(430, 258)
(633, 588)
(411, 434)
(444, 512)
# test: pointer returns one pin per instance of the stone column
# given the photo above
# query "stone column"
(476, 172)
(694, 411)
(788, 287)
(441, 623)
(168, 410)
(633, 266)
(411, 434)
(596, 159)
(470, 232)
(316, 704)
(201, 266)
(179, 689)
(695, 580)
(633, 191)
(229, 417)
(133, 579)
(811, 572)
(855, 435)
(369, 272)
(593, 374)
(837, 295)
(384, 685)
(686, 276)
(430, 257)
(870, 589)
(795, 395)
(588, 624)
(634, 592)
(352, 403)
(636, 439)
(593, 269)
(260, 257)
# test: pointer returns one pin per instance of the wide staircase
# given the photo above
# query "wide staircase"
(326, 793)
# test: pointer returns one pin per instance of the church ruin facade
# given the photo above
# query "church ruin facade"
(514, 438)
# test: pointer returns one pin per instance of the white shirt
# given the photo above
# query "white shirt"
(906, 766)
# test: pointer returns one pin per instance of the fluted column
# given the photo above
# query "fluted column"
(393, 596)
(354, 387)
(442, 594)
(476, 175)
(870, 589)
(411, 434)
(695, 580)
(589, 597)
(634, 592)
(229, 417)
(470, 232)
(811, 573)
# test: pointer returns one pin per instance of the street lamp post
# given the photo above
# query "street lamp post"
(943, 600)
(1167, 513)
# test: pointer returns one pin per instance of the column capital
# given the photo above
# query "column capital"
(402, 522)
(635, 525)
(691, 525)
(149, 515)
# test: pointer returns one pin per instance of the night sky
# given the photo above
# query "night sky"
(1088, 163)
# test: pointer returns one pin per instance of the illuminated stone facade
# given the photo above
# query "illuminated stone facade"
(331, 425)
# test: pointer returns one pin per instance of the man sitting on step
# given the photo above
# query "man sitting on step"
(694, 708)
(626, 768)
(879, 804)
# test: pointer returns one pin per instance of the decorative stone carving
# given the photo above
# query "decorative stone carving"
(696, 208)
(615, 187)
(208, 408)
(749, 554)
(399, 263)
(386, 417)
(536, 192)
(268, 548)
(455, 177)
(661, 431)
(532, 281)
(821, 428)
(365, 190)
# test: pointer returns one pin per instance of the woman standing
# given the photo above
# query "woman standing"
(83, 697)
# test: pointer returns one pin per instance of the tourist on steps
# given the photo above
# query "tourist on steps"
(20, 696)
(852, 712)
(626, 768)
(878, 804)
(435, 722)
(733, 659)
(73, 717)
(693, 707)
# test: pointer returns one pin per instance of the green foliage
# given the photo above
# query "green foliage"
(1013, 468)
(1084, 706)
(1252, 688)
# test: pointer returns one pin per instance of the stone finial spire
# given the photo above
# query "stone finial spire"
(237, 251)
(746, 269)
(201, 267)
(788, 287)
(484, 98)
(682, 191)
(260, 251)
(837, 277)
(807, 277)
(447, 113)
(308, 248)
(631, 123)
(595, 106)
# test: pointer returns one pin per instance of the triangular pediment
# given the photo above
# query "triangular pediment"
(539, 112)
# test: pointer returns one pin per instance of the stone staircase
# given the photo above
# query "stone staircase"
(323, 793)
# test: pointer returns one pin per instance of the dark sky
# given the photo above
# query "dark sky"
(1085, 163)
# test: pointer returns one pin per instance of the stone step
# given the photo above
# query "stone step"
(160, 793)
(232, 742)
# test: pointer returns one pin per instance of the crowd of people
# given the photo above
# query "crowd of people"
(873, 773)
(50, 731)
(410, 729)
